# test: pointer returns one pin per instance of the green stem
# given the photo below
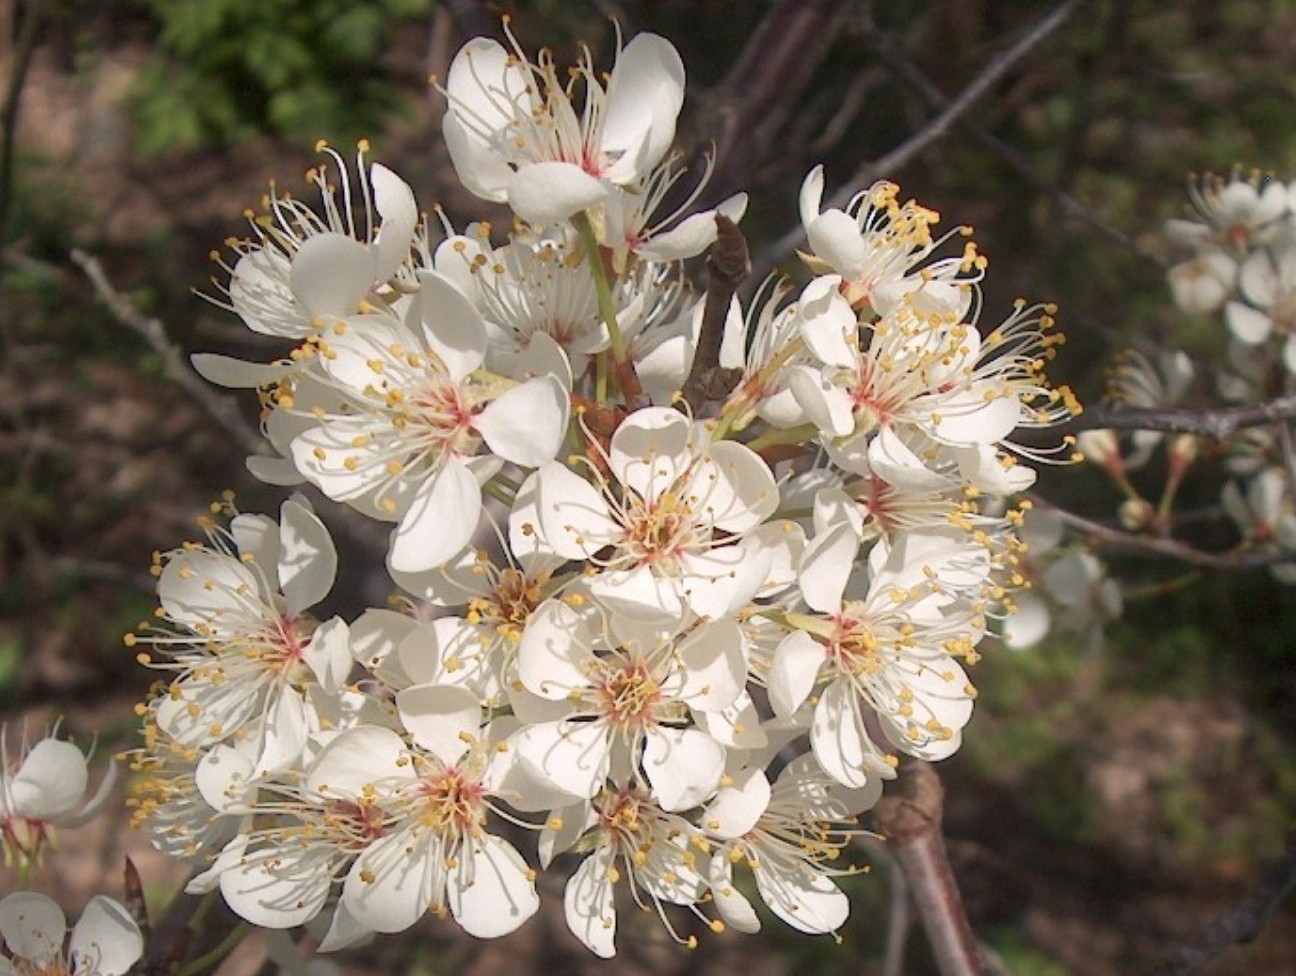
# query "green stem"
(602, 287)
(792, 435)
(210, 959)
(24, 873)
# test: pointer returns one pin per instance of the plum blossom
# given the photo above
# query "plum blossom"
(514, 135)
(248, 659)
(407, 442)
(41, 788)
(676, 525)
(892, 654)
(104, 942)
(789, 835)
(627, 836)
(622, 705)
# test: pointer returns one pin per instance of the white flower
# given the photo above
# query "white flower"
(105, 940)
(892, 653)
(881, 249)
(302, 265)
(1233, 214)
(668, 530)
(623, 705)
(514, 134)
(629, 837)
(789, 836)
(1268, 283)
(1203, 283)
(43, 787)
(249, 660)
(407, 443)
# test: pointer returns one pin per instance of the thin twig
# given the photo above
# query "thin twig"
(1165, 548)
(909, 816)
(1216, 423)
(220, 408)
(1241, 923)
(30, 31)
(932, 131)
(891, 52)
(727, 265)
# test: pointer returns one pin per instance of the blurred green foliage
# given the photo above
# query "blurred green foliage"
(229, 69)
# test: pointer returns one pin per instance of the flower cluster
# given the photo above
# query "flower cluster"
(679, 639)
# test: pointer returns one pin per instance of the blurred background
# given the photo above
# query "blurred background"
(1114, 797)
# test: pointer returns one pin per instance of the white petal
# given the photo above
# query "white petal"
(32, 926)
(452, 326)
(223, 775)
(285, 732)
(51, 781)
(492, 893)
(394, 201)
(443, 719)
(441, 520)
(714, 666)
(554, 655)
(736, 808)
(394, 882)
(644, 96)
(331, 273)
(481, 171)
(650, 450)
(328, 654)
(793, 673)
(205, 588)
(1247, 324)
(683, 766)
(827, 405)
(838, 737)
(545, 193)
(237, 374)
(731, 903)
(826, 320)
(590, 906)
(808, 902)
(835, 237)
(106, 937)
(826, 567)
(527, 424)
(639, 594)
(357, 759)
(572, 756)
(1029, 623)
(811, 196)
(278, 890)
(307, 558)
(573, 516)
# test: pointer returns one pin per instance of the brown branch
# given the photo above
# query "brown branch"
(909, 816)
(1241, 923)
(27, 37)
(727, 265)
(1217, 424)
(220, 408)
(1166, 548)
(934, 130)
(891, 52)
(744, 114)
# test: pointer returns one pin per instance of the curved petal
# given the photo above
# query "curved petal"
(590, 906)
(330, 274)
(793, 673)
(441, 520)
(452, 326)
(554, 656)
(443, 719)
(826, 567)
(548, 192)
(307, 558)
(51, 781)
(737, 807)
(493, 892)
(32, 926)
(105, 937)
(527, 424)
(394, 201)
(683, 766)
(835, 237)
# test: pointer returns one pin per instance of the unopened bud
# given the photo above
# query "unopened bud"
(1137, 515)
(1101, 447)
(1182, 451)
